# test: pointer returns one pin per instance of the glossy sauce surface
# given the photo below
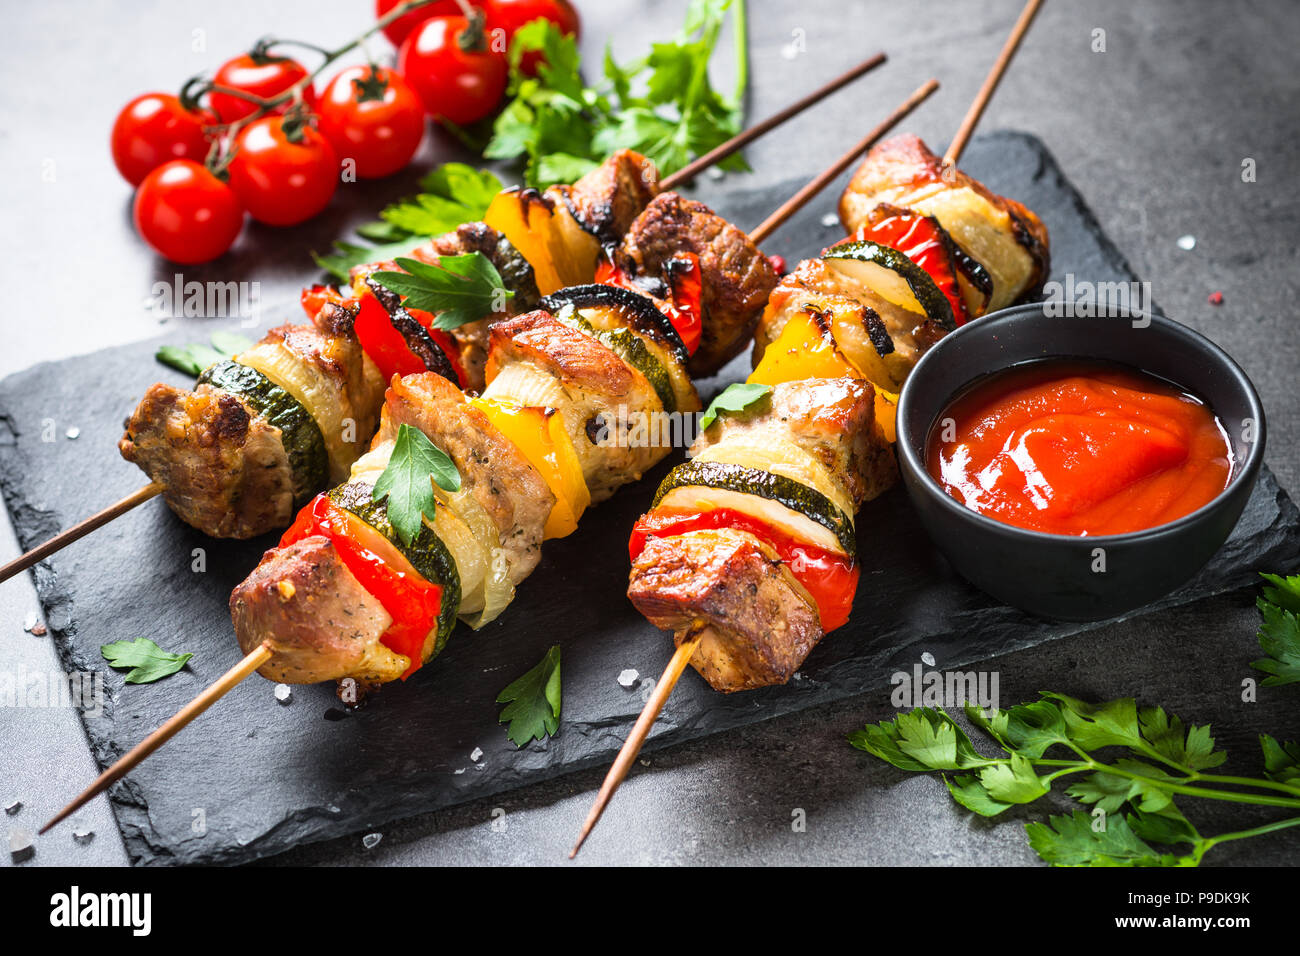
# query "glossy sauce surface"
(1074, 447)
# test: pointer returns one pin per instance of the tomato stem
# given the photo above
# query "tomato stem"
(197, 87)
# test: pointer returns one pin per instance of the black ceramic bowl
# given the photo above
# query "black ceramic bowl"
(1058, 576)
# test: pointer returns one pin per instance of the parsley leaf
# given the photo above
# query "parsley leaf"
(1080, 840)
(1279, 633)
(407, 482)
(920, 739)
(734, 398)
(450, 194)
(146, 661)
(459, 289)
(533, 701)
(196, 356)
(1281, 760)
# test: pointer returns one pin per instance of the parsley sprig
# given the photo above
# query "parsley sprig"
(144, 661)
(533, 701)
(1279, 634)
(734, 398)
(195, 357)
(459, 289)
(1163, 760)
(414, 467)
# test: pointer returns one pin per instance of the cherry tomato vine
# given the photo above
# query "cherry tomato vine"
(256, 138)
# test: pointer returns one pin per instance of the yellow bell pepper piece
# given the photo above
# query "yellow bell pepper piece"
(799, 352)
(557, 248)
(540, 435)
(887, 414)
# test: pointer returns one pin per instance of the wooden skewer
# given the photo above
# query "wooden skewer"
(632, 746)
(972, 118)
(719, 153)
(716, 155)
(78, 530)
(823, 179)
(144, 748)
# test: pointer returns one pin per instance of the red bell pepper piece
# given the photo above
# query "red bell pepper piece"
(831, 579)
(684, 311)
(922, 240)
(413, 603)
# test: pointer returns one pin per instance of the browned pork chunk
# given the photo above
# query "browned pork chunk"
(999, 233)
(222, 468)
(318, 620)
(758, 623)
(612, 195)
(737, 277)
(491, 467)
(537, 360)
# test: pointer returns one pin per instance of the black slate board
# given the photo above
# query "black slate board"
(251, 777)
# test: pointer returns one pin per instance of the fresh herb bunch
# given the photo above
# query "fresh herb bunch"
(662, 105)
(1162, 759)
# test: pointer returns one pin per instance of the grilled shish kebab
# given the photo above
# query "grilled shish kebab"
(234, 459)
(748, 555)
(345, 597)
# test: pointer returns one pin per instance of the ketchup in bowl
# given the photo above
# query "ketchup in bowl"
(1079, 447)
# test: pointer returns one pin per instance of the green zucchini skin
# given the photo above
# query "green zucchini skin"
(642, 314)
(934, 302)
(808, 502)
(628, 346)
(427, 554)
(301, 436)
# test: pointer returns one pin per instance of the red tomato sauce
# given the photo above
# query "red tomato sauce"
(1073, 447)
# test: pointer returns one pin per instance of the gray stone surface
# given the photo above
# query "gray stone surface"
(1153, 132)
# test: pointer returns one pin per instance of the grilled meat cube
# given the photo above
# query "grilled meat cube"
(611, 196)
(498, 475)
(319, 621)
(537, 360)
(999, 233)
(759, 623)
(737, 277)
(222, 467)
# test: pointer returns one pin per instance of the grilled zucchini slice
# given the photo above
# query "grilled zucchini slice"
(783, 503)
(894, 277)
(299, 434)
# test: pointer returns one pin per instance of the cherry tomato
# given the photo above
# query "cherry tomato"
(372, 117)
(186, 213)
(260, 75)
(153, 129)
(510, 15)
(280, 181)
(401, 28)
(458, 84)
